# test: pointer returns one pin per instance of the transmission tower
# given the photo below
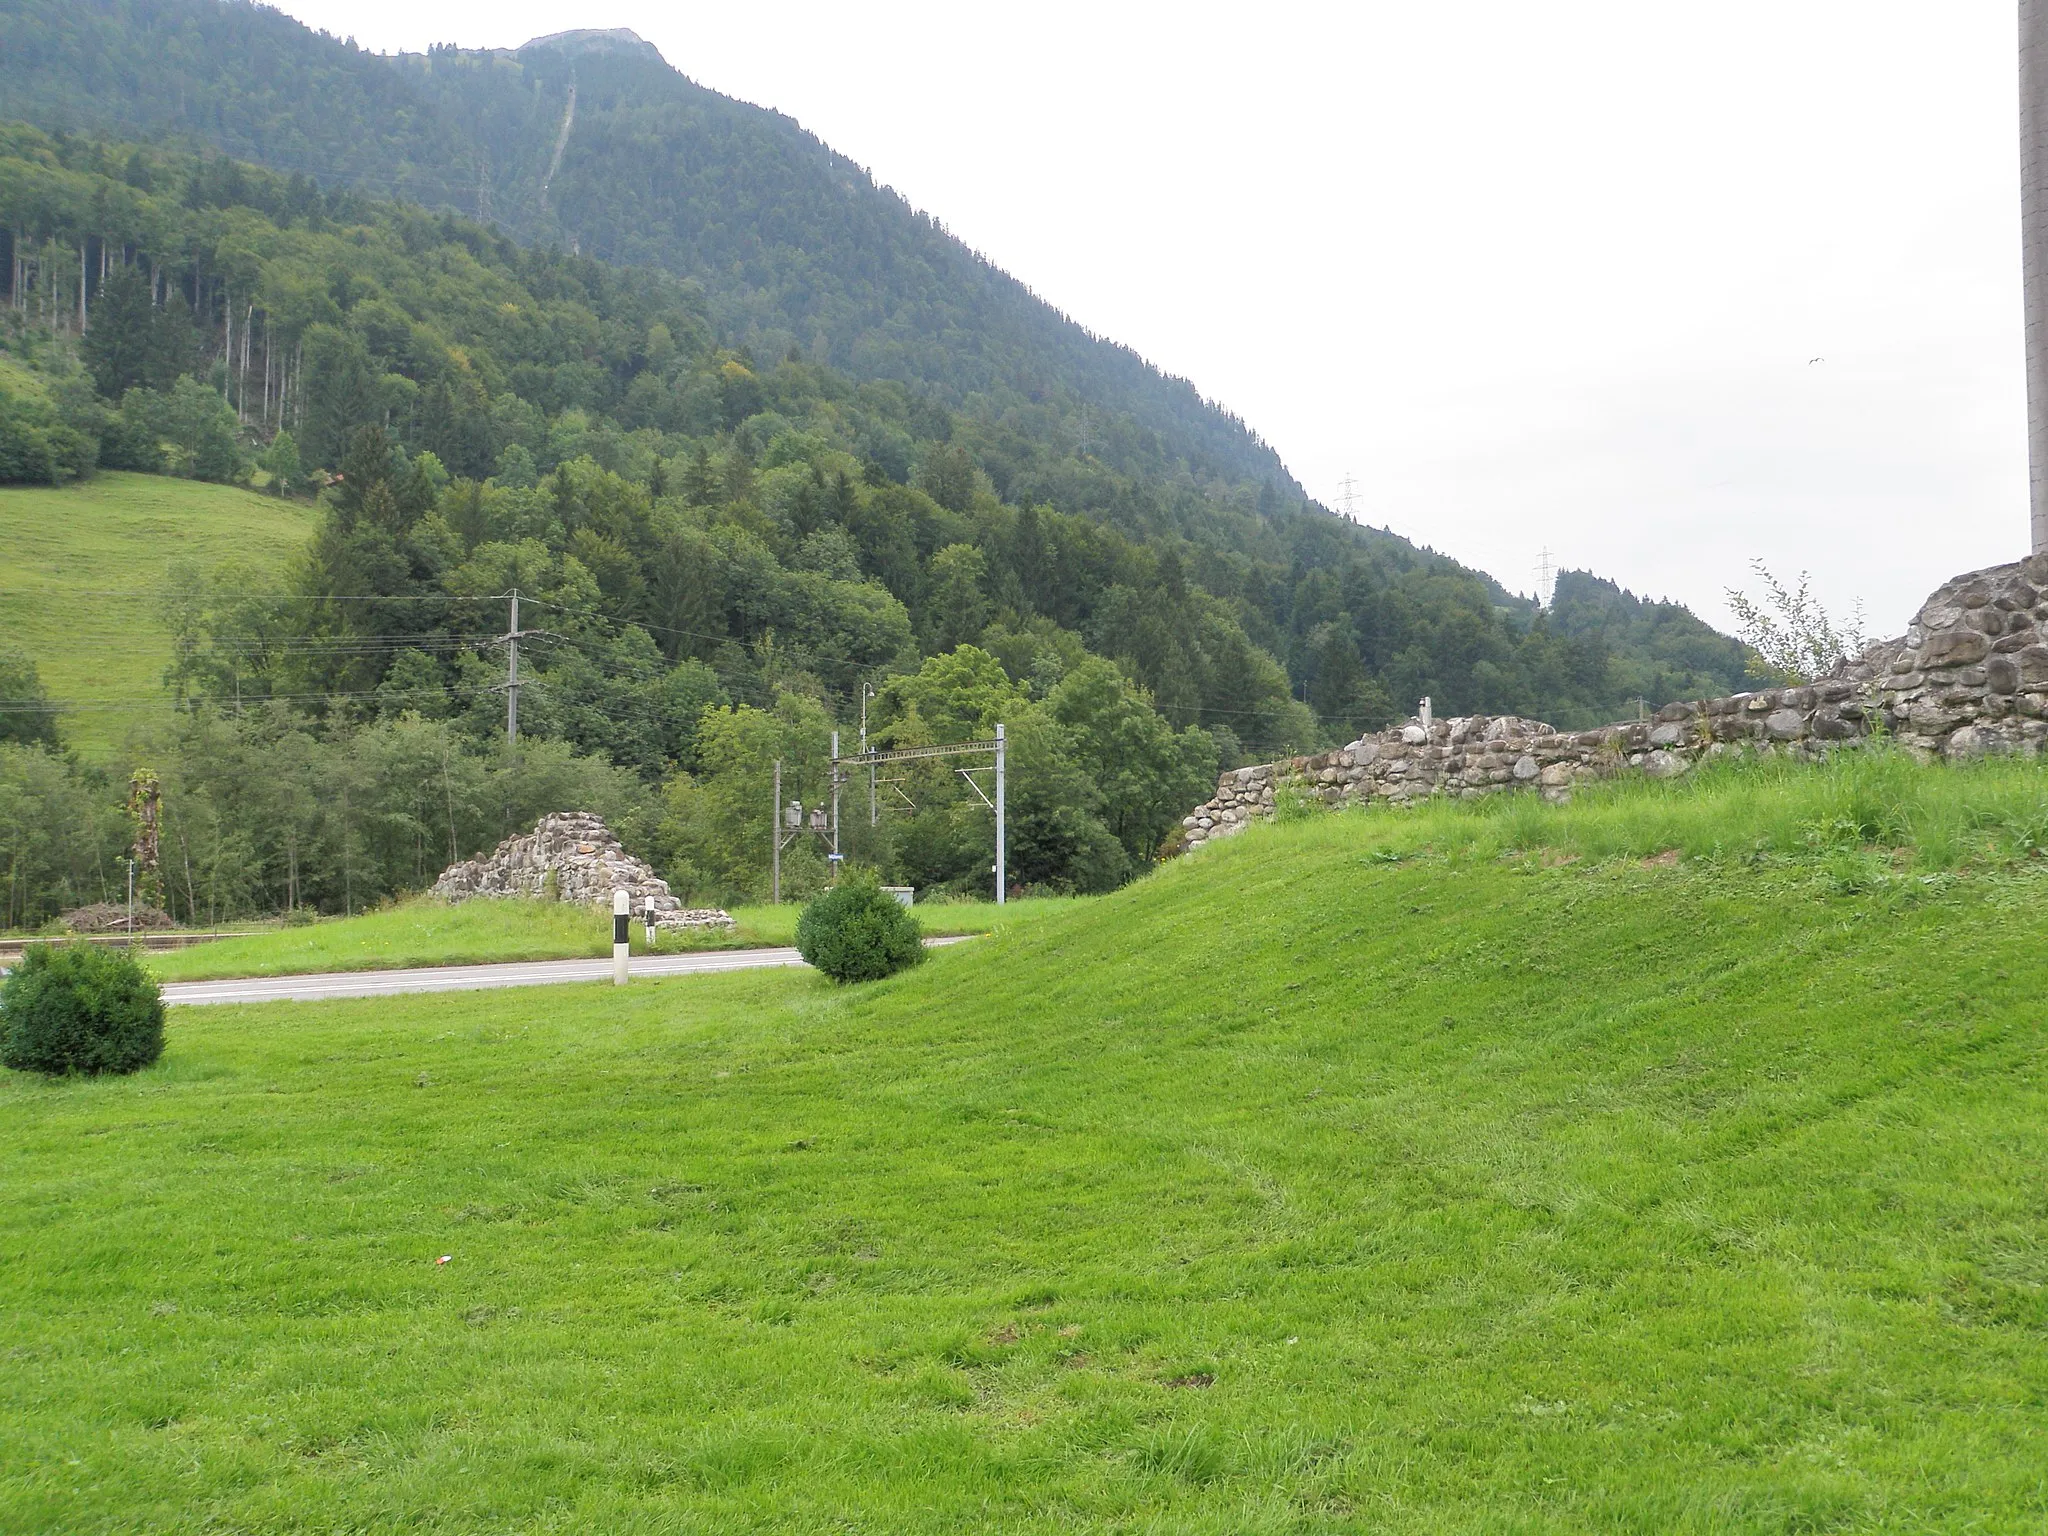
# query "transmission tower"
(1347, 494)
(1545, 574)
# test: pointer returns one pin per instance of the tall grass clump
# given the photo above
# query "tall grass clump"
(1872, 800)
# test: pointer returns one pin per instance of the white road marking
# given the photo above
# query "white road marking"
(470, 978)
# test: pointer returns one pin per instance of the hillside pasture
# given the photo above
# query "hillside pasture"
(80, 569)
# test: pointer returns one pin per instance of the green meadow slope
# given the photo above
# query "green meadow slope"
(79, 569)
(1323, 1182)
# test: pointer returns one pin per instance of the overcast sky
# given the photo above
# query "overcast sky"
(1660, 288)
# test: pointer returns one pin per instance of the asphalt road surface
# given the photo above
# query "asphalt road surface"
(469, 978)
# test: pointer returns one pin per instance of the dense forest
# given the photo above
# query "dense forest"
(720, 556)
(794, 244)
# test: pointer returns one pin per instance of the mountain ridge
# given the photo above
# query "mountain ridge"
(624, 39)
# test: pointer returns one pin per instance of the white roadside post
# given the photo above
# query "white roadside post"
(648, 916)
(835, 858)
(622, 934)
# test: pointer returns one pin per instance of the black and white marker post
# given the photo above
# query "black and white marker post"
(622, 934)
(647, 920)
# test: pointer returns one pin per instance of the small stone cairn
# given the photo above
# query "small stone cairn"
(1968, 679)
(572, 856)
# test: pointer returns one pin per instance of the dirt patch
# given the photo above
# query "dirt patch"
(1668, 859)
(1195, 1379)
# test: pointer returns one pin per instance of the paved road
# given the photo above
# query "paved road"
(469, 978)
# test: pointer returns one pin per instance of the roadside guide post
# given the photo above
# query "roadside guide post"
(649, 916)
(622, 934)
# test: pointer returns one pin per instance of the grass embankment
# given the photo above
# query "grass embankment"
(427, 932)
(1865, 815)
(79, 567)
(1291, 1190)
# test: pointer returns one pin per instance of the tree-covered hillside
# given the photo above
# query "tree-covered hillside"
(796, 250)
(725, 555)
(796, 246)
(1658, 651)
(327, 312)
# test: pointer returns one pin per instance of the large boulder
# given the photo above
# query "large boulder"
(571, 856)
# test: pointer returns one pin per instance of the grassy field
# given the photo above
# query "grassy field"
(1865, 816)
(79, 565)
(1314, 1184)
(1867, 820)
(427, 932)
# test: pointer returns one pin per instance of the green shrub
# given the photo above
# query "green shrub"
(37, 447)
(859, 932)
(79, 1008)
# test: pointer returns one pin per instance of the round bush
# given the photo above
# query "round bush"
(79, 1008)
(859, 932)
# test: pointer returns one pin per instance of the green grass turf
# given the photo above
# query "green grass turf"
(1865, 814)
(1290, 1190)
(426, 932)
(71, 558)
(1868, 820)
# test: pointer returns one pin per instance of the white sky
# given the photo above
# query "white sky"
(1537, 275)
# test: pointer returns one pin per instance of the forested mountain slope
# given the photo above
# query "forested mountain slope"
(1659, 650)
(799, 253)
(726, 558)
(796, 246)
(811, 461)
(327, 312)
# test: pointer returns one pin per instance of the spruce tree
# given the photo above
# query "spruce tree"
(120, 346)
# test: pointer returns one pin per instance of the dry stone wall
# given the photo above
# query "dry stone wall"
(1969, 678)
(572, 856)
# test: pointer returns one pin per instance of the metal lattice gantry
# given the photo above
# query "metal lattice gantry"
(997, 751)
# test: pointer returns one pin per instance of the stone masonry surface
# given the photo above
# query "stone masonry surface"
(1968, 679)
(572, 856)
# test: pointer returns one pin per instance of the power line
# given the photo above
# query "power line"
(169, 594)
(68, 706)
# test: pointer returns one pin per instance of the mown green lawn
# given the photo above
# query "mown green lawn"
(428, 932)
(79, 570)
(1291, 1190)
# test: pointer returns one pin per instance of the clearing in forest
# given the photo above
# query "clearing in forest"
(80, 569)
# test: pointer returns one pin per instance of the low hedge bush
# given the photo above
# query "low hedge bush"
(859, 932)
(79, 1008)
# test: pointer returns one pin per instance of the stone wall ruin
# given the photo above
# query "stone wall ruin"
(1969, 678)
